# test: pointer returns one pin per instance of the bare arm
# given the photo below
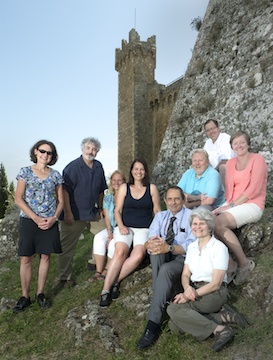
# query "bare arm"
(68, 215)
(99, 203)
(118, 209)
(193, 201)
(60, 200)
(240, 200)
(108, 225)
(155, 198)
(215, 284)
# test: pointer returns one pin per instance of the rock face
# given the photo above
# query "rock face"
(229, 78)
(9, 235)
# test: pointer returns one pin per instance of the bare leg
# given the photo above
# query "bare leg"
(42, 272)
(222, 172)
(25, 274)
(120, 255)
(107, 266)
(100, 261)
(223, 225)
(132, 262)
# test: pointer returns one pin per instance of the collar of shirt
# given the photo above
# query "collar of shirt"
(195, 244)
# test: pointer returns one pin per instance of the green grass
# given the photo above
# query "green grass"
(42, 334)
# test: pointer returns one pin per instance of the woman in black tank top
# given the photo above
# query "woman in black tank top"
(137, 202)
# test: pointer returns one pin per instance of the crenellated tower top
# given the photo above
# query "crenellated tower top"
(135, 48)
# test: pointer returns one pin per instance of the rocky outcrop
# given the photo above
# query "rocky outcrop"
(9, 235)
(257, 240)
(229, 78)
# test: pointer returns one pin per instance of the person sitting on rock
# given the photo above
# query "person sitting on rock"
(245, 200)
(201, 310)
(169, 237)
(201, 184)
(136, 204)
(218, 147)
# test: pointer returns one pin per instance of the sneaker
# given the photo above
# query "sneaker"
(105, 300)
(223, 337)
(22, 304)
(147, 339)
(230, 316)
(115, 291)
(42, 301)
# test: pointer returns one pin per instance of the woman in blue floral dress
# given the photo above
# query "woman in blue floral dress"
(39, 196)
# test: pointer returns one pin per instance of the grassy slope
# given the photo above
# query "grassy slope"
(37, 334)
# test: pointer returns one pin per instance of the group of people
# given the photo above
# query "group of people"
(191, 244)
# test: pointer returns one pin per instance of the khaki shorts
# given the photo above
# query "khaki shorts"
(97, 226)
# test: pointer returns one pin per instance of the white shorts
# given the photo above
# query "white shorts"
(137, 236)
(245, 213)
(100, 241)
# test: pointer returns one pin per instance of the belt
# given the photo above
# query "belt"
(198, 284)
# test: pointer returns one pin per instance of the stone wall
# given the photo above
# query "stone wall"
(229, 78)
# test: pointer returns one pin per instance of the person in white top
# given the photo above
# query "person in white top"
(218, 147)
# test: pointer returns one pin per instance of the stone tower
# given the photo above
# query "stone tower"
(135, 63)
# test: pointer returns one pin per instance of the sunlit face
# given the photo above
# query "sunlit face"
(199, 228)
(89, 151)
(212, 131)
(174, 200)
(240, 145)
(43, 153)
(116, 181)
(199, 163)
(138, 171)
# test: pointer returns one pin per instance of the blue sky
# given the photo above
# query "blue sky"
(57, 69)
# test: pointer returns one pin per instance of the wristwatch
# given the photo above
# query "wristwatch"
(171, 248)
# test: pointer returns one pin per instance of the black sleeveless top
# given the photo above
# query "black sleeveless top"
(137, 213)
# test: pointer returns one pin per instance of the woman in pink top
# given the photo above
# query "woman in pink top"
(246, 179)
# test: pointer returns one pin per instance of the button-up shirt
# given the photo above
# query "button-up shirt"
(182, 231)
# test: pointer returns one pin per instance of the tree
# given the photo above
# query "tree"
(4, 192)
(196, 23)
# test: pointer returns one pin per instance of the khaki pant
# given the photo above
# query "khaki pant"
(69, 235)
(199, 318)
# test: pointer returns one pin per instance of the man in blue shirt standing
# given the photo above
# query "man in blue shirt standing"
(84, 185)
(169, 237)
(202, 184)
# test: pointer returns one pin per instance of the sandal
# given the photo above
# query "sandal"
(223, 337)
(243, 273)
(96, 276)
(232, 273)
(230, 316)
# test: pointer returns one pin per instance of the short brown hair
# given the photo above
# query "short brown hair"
(240, 133)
